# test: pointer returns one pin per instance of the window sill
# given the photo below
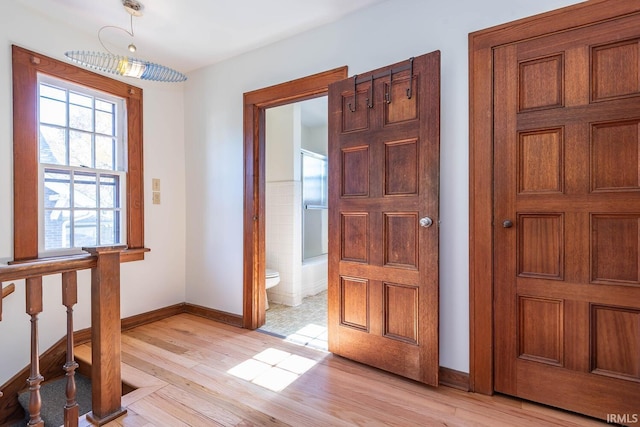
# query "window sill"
(127, 255)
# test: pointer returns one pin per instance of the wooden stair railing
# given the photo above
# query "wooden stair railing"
(104, 263)
(6, 291)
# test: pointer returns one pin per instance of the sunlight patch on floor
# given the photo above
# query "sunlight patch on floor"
(272, 369)
(311, 336)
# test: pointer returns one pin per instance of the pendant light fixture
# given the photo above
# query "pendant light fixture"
(125, 65)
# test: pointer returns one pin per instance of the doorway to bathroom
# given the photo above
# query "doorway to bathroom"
(256, 103)
(296, 222)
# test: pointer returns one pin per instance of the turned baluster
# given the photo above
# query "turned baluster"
(34, 307)
(69, 299)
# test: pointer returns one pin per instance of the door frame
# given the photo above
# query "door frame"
(481, 277)
(255, 105)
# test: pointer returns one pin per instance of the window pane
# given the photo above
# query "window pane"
(109, 191)
(53, 112)
(53, 147)
(314, 180)
(85, 228)
(80, 117)
(57, 189)
(109, 228)
(84, 190)
(79, 149)
(104, 123)
(105, 153)
(57, 229)
(47, 91)
(79, 99)
(106, 106)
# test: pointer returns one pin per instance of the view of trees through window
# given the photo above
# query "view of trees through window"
(82, 166)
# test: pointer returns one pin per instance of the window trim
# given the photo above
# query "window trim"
(26, 66)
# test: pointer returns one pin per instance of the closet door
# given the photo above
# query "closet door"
(567, 219)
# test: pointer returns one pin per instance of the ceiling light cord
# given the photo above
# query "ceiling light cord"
(132, 47)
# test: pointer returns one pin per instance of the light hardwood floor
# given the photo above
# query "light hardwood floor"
(191, 371)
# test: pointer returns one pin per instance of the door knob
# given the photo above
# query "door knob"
(507, 223)
(426, 222)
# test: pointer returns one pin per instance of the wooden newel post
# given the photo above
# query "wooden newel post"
(105, 336)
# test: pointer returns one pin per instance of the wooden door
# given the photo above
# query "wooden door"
(383, 180)
(567, 219)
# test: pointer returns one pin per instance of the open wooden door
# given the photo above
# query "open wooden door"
(383, 223)
(567, 219)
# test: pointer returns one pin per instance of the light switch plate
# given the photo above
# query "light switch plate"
(155, 184)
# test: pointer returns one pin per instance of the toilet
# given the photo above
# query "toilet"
(272, 279)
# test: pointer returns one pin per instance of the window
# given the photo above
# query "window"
(82, 171)
(77, 160)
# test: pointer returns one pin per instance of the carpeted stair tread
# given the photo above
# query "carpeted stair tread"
(54, 398)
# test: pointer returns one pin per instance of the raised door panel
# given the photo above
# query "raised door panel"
(541, 161)
(541, 245)
(615, 251)
(401, 168)
(609, 79)
(400, 233)
(541, 83)
(540, 330)
(616, 342)
(614, 156)
(355, 171)
(355, 229)
(401, 312)
(354, 298)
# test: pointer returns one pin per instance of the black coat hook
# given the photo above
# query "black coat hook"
(370, 98)
(409, 91)
(355, 94)
(387, 93)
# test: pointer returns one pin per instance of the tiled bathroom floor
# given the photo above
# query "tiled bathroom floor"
(305, 324)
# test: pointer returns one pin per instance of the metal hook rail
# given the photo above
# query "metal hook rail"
(387, 94)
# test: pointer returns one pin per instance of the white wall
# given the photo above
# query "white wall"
(315, 139)
(282, 141)
(386, 33)
(157, 282)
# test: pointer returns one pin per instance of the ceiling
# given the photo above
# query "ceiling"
(189, 34)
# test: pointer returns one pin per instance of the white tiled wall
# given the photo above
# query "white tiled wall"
(284, 240)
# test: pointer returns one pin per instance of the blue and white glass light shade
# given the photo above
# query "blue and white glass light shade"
(125, 66)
